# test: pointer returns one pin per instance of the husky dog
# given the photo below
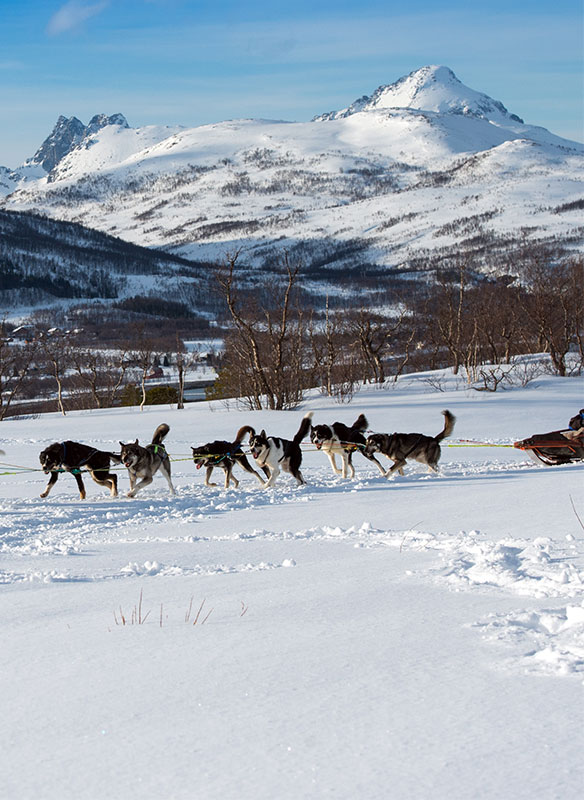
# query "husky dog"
(225, 454)
(400, 446)
(342, 440)
(144, 462)
(271, 452)
(72, 457)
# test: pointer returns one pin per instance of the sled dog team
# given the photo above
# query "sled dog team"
(270, 453)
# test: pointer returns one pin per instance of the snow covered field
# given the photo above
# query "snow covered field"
(419, 638)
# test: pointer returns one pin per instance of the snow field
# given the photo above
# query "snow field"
(414, 638)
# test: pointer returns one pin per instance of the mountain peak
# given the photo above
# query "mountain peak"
(431, 88)
(67, 134)
(100, 121)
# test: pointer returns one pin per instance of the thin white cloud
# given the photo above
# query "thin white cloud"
(11, 65)
(73, 14)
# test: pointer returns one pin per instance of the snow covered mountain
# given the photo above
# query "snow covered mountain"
(67, 134)
(430, 89)
(422, 169)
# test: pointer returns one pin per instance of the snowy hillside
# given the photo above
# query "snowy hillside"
(422, 636)
(46, 262)
(421, 169)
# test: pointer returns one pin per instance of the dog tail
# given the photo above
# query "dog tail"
(242, 433)
(160, 433)
(304, 428)
(449, 420)
(360, 424)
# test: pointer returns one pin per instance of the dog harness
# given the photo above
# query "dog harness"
(76, 470)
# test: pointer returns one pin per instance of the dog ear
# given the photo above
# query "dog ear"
(136, 442)
(122, 444)
(263, 434)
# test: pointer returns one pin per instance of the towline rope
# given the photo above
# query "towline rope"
(472, 443)
(17, 469)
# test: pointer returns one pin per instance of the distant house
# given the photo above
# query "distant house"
(24, 332)
(156, 372)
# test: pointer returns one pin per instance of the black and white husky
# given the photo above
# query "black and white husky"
(342, 440)
(398, 447)
(144, 462)
(225, 455)
(272, 453)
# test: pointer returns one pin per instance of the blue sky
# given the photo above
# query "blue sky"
(191, 62)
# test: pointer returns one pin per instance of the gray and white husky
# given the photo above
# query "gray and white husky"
(398, 447)
(144, 462)
(272, 453)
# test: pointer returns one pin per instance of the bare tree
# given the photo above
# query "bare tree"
(185, 359)
(449, 317)
(100, 373)
(56, 352)
(16, 360)
(264, 354)
(333, 365)
(143, 354)
(554, 306)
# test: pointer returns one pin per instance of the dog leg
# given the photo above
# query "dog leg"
(80, 485)
(229, 477)
(397, 467)
(165, 469)
(333, 461)
(208, 473)
(299, 477)
(259, 477)
(350, 464)
(379, 465)
(109, 480)
(52, 481)
(274, 472)
(244, 463)
(344, 462)
(140, 485)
